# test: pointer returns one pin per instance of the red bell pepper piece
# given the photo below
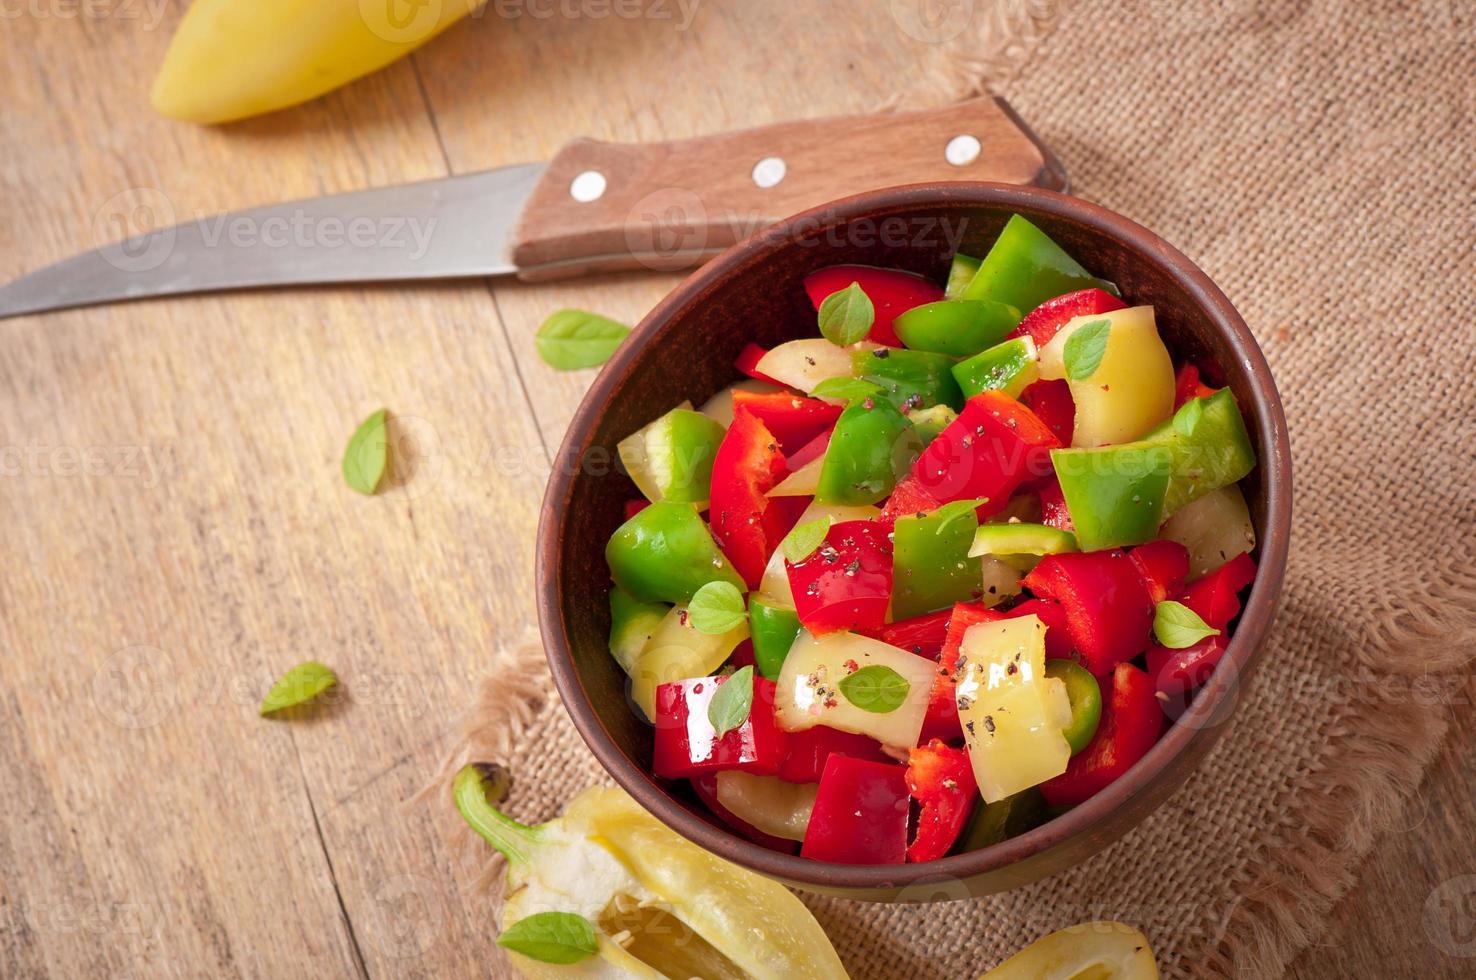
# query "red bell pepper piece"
(747, 363)
(1187, 385)
(1177, 672)
(990, 449)
(687, 745)
(941, 779)
(846, 583)
(942, 717)
(1216, 596)
(706, 790)
(634, 507)
(1043, 322)
(748, 526)
(891, 292)
(1052, 403)
(1053, 510)
(1164, 566)
(908, 498)
(811, 450)
(792, 419)
(1108, 612)
(860, 814)
(810, 749)
(922, 635)
(742, 655)
(1058, 633)
(1131, 721)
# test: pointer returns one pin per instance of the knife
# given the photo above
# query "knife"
(595, 207)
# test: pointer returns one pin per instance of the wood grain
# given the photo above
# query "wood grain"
(176, 531)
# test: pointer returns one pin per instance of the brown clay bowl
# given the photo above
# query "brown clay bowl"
(752, 292)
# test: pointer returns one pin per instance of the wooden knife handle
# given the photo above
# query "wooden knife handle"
(606, 206)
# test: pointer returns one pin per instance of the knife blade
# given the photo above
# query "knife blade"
(594, 207)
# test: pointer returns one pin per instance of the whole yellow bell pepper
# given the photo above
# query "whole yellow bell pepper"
(230, 59)
(660, 906)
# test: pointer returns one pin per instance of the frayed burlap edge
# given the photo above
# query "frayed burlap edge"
(1373, 758)
(1372, 762)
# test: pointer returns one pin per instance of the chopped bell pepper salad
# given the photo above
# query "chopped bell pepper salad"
(925, 580)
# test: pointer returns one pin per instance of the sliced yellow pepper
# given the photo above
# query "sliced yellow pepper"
(1095, 950)
(661, 906)
(1012, 713)
(676, 651)
(1131, 389)
(230, 59)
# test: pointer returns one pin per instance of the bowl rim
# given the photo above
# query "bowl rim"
(1211, 708)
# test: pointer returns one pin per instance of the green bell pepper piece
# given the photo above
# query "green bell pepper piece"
(1209, 446)
(909, 378)
(772, 628)
(1085, 695)
(1115, 494)
(666, 553)
(1010, 367)
(631, 624)
(1021, 539)
(956, 327)
(1025, 268)
(1003, 819)
(930, 421)
(872, 446)
(960, 273)
(671, 459)
(931, 567)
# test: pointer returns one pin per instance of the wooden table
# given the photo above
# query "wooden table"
(177, 532)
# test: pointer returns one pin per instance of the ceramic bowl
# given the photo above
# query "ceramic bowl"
(685, 349)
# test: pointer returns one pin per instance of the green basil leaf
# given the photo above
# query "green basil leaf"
(846, 315)
(574, 339)
(846, 389)
(732, 703)
(801, 543)
(1186, 419)
(552, 937)
(302, 683)
(876, 689)
(717, 608)
(1178, 626)
(367, 454)
(1084, 349)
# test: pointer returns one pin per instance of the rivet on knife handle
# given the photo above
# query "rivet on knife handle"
(606, 206)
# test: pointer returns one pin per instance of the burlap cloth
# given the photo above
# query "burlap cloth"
(1317, 160)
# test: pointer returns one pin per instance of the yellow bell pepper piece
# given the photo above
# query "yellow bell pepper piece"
(1096, 950)
(1132, 388)
(676, 651)
(660, 905)
(1012, 713)
(809, 692)
(230, 59)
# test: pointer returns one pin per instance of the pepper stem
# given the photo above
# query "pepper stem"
(474, 789)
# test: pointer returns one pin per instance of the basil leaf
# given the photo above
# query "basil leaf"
(876, 689)
(367, 454)
(732, 703)
(1178, 626)
(1084, 349)
(574, 339)
(846, 389)
(302, 683)
(717, 608)
(800, 543)
(846, 316)
(1186, 419)
(552, 937)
